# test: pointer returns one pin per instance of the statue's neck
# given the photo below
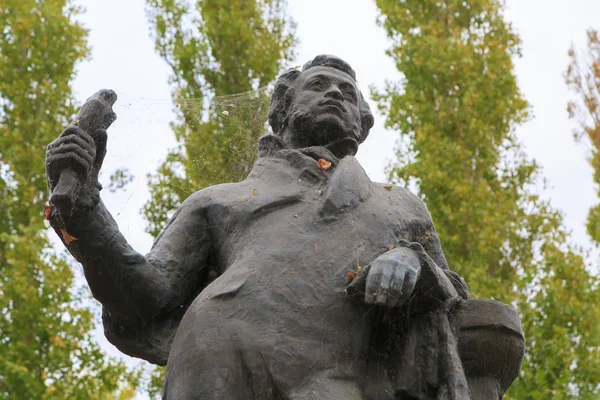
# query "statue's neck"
(270, 144)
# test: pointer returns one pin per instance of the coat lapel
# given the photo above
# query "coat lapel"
(347, 183)
(348, 186)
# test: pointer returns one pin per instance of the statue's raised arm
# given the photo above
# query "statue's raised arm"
(140, 294)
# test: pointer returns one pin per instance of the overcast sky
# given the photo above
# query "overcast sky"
(123, 59)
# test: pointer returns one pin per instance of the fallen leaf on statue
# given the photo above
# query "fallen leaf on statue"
(388, 187)
(253, 192)
(48, 212)
(324, 164)
(67, 238)
(351, 274)
(389, 247)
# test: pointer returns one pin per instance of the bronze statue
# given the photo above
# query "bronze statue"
(304, 281)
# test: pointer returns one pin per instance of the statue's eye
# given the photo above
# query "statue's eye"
(350, 95)
(317, 85)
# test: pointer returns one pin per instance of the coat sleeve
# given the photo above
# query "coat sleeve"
(143, 297)
(430, 242)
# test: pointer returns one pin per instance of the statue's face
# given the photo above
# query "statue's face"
(324, 111)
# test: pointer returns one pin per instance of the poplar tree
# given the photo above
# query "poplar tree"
(223, 56)
(583, 79)
(46, 347)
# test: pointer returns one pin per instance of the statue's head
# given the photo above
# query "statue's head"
(320, 106)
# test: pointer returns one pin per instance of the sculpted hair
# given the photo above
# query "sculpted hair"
(284, 93)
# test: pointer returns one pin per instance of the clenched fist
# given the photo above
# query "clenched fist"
(74, 159)
(73, 149)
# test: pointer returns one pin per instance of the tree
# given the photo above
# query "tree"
(583, 78)
(46, 349)
(456, 108)
(216, 49)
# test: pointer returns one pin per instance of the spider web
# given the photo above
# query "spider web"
(221, 132)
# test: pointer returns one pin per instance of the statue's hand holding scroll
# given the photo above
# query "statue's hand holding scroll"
(390, 279)
(74, 159)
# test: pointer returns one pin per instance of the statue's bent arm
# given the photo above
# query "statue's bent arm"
(131, 286)
(430, 242)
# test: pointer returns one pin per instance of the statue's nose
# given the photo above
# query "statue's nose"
(334, 93)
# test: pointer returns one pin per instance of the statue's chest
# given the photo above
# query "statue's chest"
(304, 222)
(311, 213)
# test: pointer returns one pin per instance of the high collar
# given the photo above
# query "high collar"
(272, 145)
(297, 165)
(347, 184)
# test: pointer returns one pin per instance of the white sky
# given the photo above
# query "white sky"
(123, 59)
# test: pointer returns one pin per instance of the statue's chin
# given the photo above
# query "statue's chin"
(328, 130)
(343, 147)
(337, 136)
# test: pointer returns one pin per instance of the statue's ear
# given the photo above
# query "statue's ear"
(367, 122)
(366, 118)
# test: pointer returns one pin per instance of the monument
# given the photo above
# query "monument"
(304, 281)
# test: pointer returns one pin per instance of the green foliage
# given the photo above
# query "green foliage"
(154, 383)
(563, 333)
(583, 78)
(455, 109)
(216, 49)
(46, 349)
(119, 179)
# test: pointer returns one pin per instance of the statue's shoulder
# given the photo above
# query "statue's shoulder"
(397, 192)
(216, 195)
(403, 197)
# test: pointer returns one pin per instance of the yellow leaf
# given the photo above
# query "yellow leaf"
(67, 237)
